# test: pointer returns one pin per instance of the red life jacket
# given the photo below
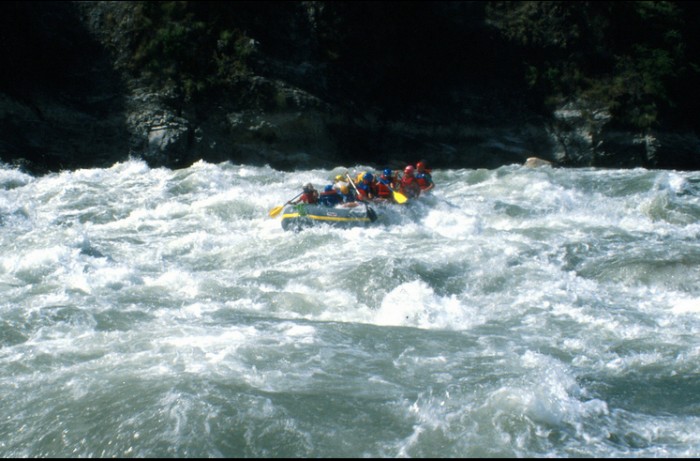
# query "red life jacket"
(309, 197)
(410, 187)
(364, 189)
(383, 190)
(423, 179)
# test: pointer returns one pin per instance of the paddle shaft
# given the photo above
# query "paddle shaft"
(357, 192)
(370, 212)
(276, 210)
(295, 197)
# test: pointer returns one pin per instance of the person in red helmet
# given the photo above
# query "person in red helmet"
(423, 176)
(409, 185)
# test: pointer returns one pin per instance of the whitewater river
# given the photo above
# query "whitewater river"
(516, 312)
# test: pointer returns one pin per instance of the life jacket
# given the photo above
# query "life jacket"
(339, 185)
(346, 193)
(384, 187)
(410, 187)
(365, 190)
(330, 198)
(424, 180)
(309, 197)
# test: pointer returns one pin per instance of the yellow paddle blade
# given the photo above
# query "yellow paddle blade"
(276, 210)
(399, 197)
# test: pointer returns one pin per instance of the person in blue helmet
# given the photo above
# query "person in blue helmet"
(385, 185)
(366, 189)
(330, 196)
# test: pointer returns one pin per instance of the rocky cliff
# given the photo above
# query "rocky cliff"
(68, 99)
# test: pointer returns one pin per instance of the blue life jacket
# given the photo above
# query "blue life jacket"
(330, 199)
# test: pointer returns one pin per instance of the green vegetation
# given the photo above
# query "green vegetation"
(638, 59)
(624, 56)
(177, 46)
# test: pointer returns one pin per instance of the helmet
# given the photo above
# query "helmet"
(339, 177)
(387, 172)
(367, 177)
(408, 169)
(328, 188)
(420, 165)
(308, 187)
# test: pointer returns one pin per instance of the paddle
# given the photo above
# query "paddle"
(370, 211)
(357, 192)
(276, 210)
(398, 196)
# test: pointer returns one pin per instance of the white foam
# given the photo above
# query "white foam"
(686, 306)
(175, 280)
(415, 304)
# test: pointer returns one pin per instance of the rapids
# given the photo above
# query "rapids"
(513, 312)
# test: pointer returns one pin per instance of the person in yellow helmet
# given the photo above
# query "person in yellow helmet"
(343, 187)
(339, 181)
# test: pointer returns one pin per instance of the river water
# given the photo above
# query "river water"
(514, 312)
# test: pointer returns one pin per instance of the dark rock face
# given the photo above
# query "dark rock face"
(66, 102)
(61, 103)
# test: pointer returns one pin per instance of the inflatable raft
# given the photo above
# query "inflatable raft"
(302, 215)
